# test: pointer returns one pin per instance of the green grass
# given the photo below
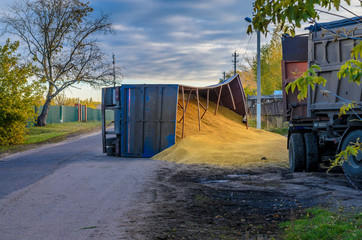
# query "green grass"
(52, 133)
(282, 131)
(319, 223)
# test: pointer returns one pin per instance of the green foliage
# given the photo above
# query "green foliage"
(352, 68)
(309, 78)
(61, 40)
(62, 100)
(346, 107)
(18, 95)
(270, 58)
(249, 92)
(322, 224)
(288, 14)
(351, 150)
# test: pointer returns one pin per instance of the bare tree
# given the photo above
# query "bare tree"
(60, 36)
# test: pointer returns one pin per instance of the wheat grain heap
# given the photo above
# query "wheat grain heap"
(223, 141)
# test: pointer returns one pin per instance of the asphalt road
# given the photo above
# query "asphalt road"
(70, 190)
(25, 168)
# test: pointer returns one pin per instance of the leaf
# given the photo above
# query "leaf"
(316, 67)
(91, 227)
(336, 4)
(346, 107)
(351, 150)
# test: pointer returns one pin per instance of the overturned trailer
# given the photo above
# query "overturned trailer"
(145, 115)
(317, 132)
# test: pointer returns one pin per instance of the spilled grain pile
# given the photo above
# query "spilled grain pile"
(223, 141)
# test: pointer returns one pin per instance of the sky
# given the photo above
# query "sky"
(176, 41)
(165, 41)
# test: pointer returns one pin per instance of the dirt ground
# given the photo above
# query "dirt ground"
(201, 202)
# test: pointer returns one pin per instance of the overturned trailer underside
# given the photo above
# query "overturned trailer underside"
(146, 115)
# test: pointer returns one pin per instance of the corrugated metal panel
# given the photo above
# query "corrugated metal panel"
(148, 119)
(330, 54)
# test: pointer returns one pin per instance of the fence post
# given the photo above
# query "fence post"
(79, 107)
(61, 114)
(85, 113)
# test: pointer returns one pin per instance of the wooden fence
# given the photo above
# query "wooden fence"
(271, 110)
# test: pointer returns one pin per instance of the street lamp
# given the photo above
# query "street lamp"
(258, 78)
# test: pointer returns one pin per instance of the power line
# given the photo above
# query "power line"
(337, 15)
(247, 46)
(241, 42)
(350, 11)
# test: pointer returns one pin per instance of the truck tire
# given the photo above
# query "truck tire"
(296, 152)
(311, 152)
(353, 167)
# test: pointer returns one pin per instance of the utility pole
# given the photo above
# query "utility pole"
(114, 70)
(258, 83)
(224, 75)
(258, 78)
(234, 61)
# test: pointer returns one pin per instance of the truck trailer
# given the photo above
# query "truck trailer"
(317, 131)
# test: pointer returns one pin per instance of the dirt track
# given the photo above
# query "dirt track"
(197, 202)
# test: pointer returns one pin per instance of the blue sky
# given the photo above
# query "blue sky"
(174, 41)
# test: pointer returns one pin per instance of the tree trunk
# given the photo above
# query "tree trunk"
(42, 118)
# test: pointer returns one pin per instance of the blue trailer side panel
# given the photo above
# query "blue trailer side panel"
(148, 119)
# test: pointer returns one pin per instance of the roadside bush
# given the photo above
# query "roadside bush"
(18, 95)
(12, 134)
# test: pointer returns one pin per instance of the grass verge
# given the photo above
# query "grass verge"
(52, 133)
(319, 223)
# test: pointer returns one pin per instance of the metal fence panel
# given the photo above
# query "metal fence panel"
(93, 114)
(70, 114)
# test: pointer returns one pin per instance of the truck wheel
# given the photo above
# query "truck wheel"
(311, 152)
(353, 167)
(296, 152)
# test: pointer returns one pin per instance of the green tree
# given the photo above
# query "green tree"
(18, 95)
(270, 59)
(60, 36)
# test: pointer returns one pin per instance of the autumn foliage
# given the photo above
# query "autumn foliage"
(18, 95)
